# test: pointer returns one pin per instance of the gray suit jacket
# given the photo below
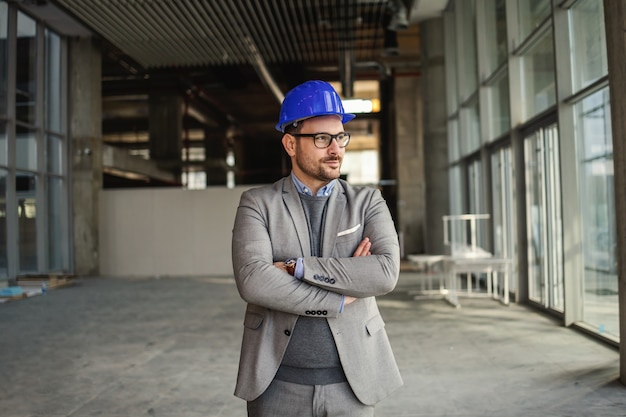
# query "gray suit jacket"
(270, 226)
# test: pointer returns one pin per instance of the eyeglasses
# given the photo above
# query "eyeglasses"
(323, 140)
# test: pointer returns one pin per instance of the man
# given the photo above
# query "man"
(310, 254)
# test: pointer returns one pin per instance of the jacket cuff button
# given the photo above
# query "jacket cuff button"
(287, 332)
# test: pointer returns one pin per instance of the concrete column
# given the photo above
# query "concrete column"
(410, 162)
(165, 126)
(215, 155)
(388, 144)
(85, 98)
(437, 195)
(615, 20)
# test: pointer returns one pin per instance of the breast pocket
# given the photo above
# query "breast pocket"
(347, 240)
(345, 246)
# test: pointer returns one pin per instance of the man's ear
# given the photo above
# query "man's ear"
(289, 143)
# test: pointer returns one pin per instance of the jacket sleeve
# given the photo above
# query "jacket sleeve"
(259, 282)
(364, 276)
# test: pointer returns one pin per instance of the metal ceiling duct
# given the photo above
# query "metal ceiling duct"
(346, 50)
(260, 67)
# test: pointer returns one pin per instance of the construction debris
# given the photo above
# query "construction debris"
(31, 285)
(45, 281)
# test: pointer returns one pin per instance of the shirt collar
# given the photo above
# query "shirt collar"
(303, 189)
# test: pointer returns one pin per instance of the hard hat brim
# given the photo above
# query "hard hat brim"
(345, 118)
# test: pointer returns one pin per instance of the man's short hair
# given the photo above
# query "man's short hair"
(294, 127)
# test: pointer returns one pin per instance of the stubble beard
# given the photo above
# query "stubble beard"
(317, 169)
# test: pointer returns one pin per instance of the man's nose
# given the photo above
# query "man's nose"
(334, 147)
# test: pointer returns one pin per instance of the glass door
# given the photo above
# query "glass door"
(475, 201)
(504, 212)
(596, 178)
(543, 221)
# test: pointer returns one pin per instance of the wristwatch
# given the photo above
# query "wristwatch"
(290, 266)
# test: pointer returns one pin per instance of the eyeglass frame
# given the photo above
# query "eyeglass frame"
(315, 135)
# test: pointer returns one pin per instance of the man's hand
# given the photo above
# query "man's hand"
(348, 300)
(362, 250)
(280, 265)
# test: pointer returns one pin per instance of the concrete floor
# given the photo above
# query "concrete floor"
(169, 347)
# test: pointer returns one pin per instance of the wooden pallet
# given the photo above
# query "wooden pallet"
(52, 281)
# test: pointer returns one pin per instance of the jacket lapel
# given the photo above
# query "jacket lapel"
(294, 206)
(334, 211)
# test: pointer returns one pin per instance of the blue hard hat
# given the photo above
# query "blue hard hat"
(310, 99)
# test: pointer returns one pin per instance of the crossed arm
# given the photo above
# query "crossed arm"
(362, 250)
(262, 281)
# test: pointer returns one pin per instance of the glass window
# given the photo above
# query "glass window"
(531, 13)
(538, 72)
(468, 72)
(3, 223)
(588, 43)
(470, 133)
(495, 20)
(475, 176)
(4, 61)
(543, 221)
(55, 154)
(3, 144)
(499, 114)
(456, 194)
(504, 210)
(194, 180)
(26, 145)
(54, 84)
(454, 150)
(498, 212)
(56, 225)
(361, 166)
(535, 232)
(475, 201)
(26, 68)
(593, 130)
(452, 91)
(33, 132)
(26, 191)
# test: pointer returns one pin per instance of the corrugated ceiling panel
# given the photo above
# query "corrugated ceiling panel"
(165, 33)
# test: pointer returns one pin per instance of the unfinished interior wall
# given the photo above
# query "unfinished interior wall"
(167, 232)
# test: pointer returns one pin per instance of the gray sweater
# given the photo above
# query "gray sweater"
(311, 357)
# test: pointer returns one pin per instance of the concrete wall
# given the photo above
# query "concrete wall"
(167, 232)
